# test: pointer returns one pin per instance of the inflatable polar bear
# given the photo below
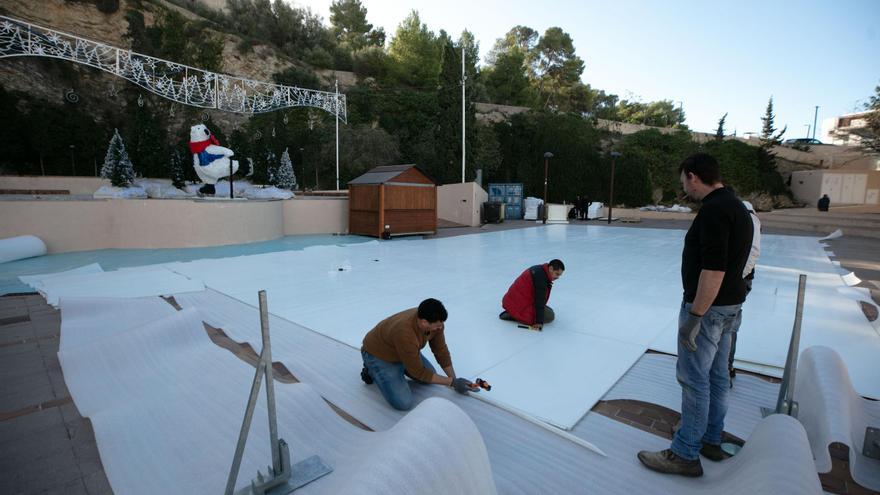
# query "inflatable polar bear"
(210, 160)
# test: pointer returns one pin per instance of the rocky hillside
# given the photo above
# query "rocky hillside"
(94, 91)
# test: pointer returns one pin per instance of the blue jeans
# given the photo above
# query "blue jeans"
(704, 381)
(391, 380)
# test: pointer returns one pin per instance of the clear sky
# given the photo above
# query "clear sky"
(714, 57)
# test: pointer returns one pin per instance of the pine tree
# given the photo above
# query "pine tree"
(117, 166)
(719, 133)
(176, 171)
(771, 181)
(285, 178)
(769, 136)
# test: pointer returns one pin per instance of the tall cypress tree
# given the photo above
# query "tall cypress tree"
(770, 178)
(719, 133)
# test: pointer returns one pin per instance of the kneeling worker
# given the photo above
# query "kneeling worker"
(526, 299)
(392, 350)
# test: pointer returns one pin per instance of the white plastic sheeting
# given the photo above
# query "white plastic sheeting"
(652, 379)
(85, 320)
(91, 281)
(831, 317)
(525, 459)
(595, 338)
(21, 247)
(167, 404)
(775, 460)
(620, 294)
(831, 411)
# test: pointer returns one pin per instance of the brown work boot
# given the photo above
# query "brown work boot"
(667, 462)
(714, 452)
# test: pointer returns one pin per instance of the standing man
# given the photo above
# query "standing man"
(716, 249)
(526, 299)
(392, 350)
(748, 277)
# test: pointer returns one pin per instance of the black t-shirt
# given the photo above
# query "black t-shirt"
(719, 239)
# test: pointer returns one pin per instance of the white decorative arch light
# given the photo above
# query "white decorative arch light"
(176, 82)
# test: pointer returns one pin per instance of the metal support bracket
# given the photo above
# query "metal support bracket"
(281, 478)
(871, 446)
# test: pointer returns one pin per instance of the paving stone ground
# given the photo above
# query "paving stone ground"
(46, 447)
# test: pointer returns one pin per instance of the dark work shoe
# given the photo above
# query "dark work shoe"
(505, 316)
(714, 452)
(365, 376)
(667, 462)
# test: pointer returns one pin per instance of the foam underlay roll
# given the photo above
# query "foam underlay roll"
(21, 247)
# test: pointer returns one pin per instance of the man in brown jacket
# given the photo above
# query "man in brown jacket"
(392, 350)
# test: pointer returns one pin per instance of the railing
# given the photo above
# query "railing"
(177, 82)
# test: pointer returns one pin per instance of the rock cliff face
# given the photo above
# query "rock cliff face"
(98, 93)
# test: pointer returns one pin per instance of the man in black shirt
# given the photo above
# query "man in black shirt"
(716, 249)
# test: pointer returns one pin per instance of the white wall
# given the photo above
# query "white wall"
(78, 225)
(460, 203)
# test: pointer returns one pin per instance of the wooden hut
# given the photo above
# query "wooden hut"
(392, 200)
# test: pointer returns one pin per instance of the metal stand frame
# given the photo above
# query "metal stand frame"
(281, 478)
(785, 404)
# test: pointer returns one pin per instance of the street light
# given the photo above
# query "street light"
(808, 130)
(547, 157)
(614, 155)
(72, 160)
(815, 117)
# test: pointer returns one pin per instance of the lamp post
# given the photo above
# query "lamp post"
(303, 176)
(815, 117)
(808, 130)
(547, 157)
(614, 155)
(72, 160)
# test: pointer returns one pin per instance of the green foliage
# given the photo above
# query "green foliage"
(295, 31)
(576, 168)
(296, 76)
(176, 169)
(370, 61)
(416, 53)
(739, 163)
(657, 114)
(507, 82)
(558, 67)
(147, 138)
(107, 6)
(769, 136)
(486, 150)
(719, 133)
(361, 148)
(13, 136)
(348, 20)
(173, 37)
(870, 141)
(655, 156)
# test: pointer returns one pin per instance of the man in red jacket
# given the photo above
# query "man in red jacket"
(526, 299)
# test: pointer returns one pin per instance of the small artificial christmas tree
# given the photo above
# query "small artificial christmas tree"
(284, 177)
(117, 166)
(176, 171)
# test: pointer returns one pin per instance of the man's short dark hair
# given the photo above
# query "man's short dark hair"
(557, 265)
(432, 310)
(704, 166)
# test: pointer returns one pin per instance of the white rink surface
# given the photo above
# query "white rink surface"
(619, 296)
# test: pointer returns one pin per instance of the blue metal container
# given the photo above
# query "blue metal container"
(511, 195)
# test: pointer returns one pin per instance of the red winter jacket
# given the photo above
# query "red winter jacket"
(529, 293)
